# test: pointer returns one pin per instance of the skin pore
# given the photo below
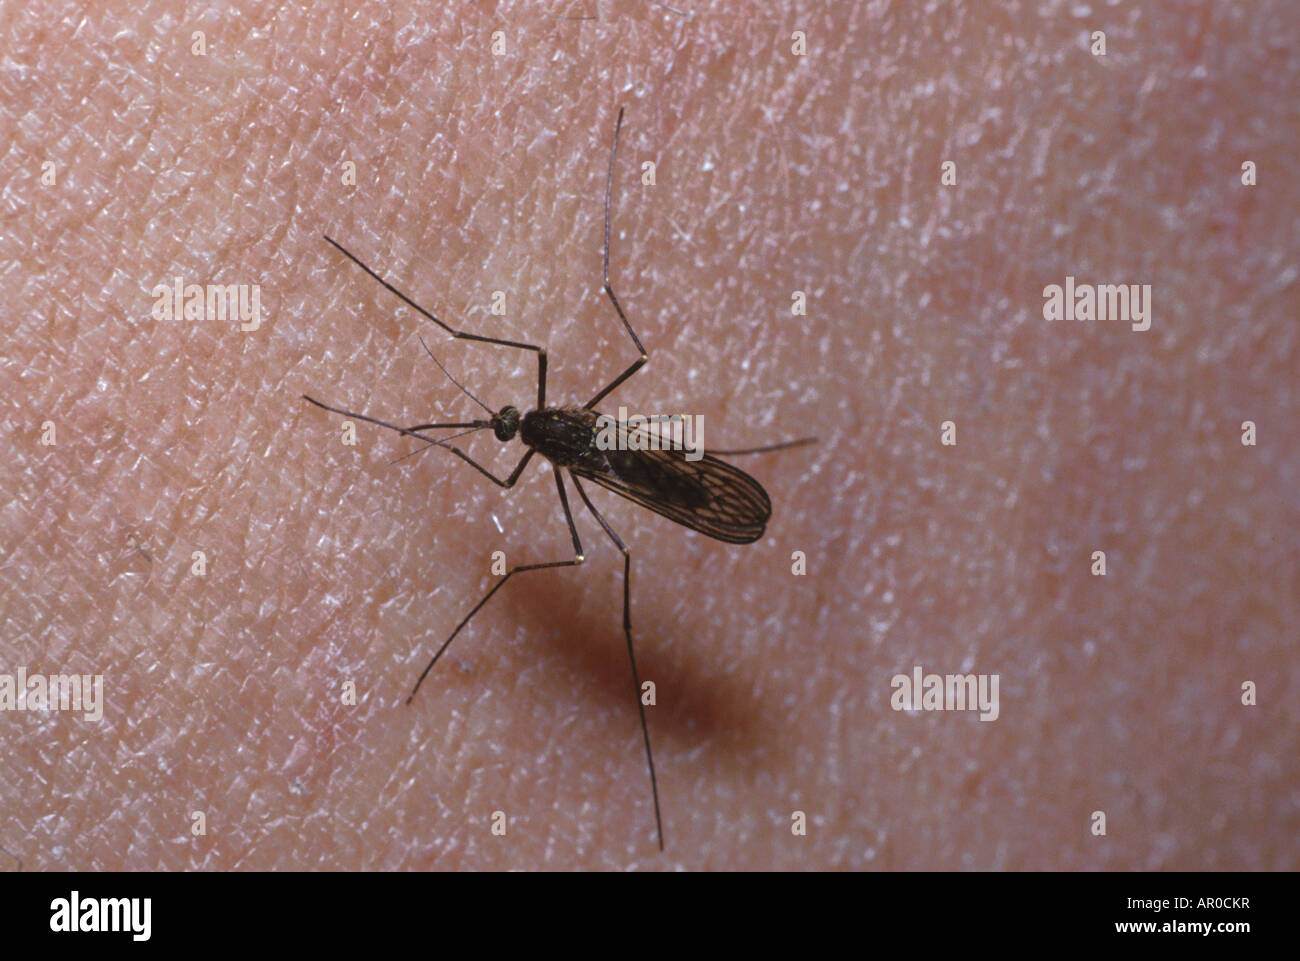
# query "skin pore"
(478, 172)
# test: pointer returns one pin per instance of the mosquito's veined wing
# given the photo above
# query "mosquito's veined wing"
(707, 495)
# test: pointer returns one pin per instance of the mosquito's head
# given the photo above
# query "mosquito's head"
(505, 423)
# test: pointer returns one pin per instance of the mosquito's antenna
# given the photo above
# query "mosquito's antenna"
(409, 431)
(433, 443)
(453, 379)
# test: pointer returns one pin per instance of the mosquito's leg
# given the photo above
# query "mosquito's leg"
(412, 431)
(509, 481)
(458, 334)
(640, 361)
(631, 655)
(541, 380)
(577, 559)
(784, 445)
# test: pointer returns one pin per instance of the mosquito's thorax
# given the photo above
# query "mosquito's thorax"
(566, 436)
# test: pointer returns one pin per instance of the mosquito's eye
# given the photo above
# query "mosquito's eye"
(506, 424)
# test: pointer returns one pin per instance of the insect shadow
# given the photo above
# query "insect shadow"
(700, 492)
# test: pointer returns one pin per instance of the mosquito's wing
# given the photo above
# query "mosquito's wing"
(707, 495)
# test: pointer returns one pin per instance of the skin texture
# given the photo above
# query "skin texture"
(479, 173)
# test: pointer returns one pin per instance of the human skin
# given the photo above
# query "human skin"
(479, 173)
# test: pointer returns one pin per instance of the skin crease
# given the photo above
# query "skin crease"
(478, 173)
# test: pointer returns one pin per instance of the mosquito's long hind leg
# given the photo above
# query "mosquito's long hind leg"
(609, 291)
(631, 655)
(784, 445)
(577, 559)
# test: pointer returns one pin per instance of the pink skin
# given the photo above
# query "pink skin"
(478, 173)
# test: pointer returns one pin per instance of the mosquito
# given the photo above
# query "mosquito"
(706, 494)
